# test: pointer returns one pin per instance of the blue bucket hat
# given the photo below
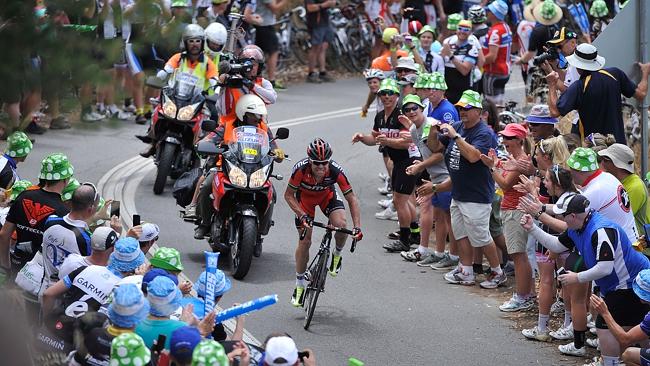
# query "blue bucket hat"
(498, 8)
(126, 256)
(182, 343)
(129, 307)
(641, 285)
(222, 284)
(164, 296)
(153, 273)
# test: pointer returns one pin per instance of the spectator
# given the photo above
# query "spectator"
(601, 19)
(102, 242)
(547, 15)
(165, 298)
(66, 194)
(128, 349)
(391, 53)
(282, 350)
(471, 204)
(209, 352)
(216, 13)
(429, 50)
(321, 34)
(266, 37)
(16, 189)
(182, 344)
(597, 97)
(439, 107)
(618, 160)
(497, 53)
(18, 147)
(461, 53)
(598, 142)
(148, 236)
(524, 31)
(373, 78)
(126, 257)
(565, 41)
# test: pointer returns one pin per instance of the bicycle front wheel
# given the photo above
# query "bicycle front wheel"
(315, 287)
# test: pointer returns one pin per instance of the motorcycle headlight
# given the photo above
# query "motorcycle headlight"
(186, 113)
(169, 109)
(258, 178)
(237, 176)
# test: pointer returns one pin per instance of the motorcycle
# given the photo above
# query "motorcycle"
(243, 196)
(176, 120)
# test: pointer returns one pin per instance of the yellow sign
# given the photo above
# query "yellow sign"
(250, 151)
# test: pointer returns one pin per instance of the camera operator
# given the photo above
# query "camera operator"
(559, 48)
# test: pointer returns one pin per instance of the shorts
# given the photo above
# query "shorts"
(470, 220)
(142, 58)
(645, 356)
(494, 85)
(496, 224)
(328, 202)
(267, 39)
(320, 35)
(516, 235)
(441, 200)
(626, 308)
(400, 181)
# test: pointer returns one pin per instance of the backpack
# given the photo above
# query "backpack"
(183, 189)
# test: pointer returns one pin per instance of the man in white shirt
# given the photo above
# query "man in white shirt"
(102, 242)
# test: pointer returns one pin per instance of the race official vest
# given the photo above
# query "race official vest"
(189, 77)
(232, 95)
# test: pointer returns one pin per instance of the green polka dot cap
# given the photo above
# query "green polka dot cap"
(438, 81)
(209, 353)
(583, 159)
(72, 186)
(453, 20)
(128, 349)
(18, 145)
(167, 258)
(18, 188)
(56, 167)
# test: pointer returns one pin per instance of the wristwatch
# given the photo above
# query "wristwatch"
(537, 215)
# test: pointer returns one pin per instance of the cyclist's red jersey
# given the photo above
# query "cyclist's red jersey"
(499, 35)
(311, 193)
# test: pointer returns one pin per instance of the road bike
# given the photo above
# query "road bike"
(317, 270)
(293, 38)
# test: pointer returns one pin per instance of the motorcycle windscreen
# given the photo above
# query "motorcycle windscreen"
(250, 144)
(185, 85)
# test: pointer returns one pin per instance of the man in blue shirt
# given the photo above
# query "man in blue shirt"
(472, 189)
(439, 107)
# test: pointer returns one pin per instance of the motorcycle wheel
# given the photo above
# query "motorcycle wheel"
(242, 253)
(167, 152)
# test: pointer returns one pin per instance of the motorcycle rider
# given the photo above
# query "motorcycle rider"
(250, 111)
(191, 65)
(216, 36)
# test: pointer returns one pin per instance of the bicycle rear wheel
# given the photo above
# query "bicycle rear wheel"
(315, 286)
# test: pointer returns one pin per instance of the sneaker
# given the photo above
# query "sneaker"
(593, 343)
(385, 203)
(557, 307)
(140, 119)
(516, 303)
(571, 350)
(563, 333)
(457, 277)
(387, 214)
(130, 108)
(278, 85)
(394, 235)
(396, 246)
(429, 259)
(92, 117)
(313, 78)
(509, 269)
(59, 123)
(535, 334)
(383, 176)
(112, 111)
(298, 297)
(335, 265)
(590, 321)
(445, 263)
(326, 78)
(412, 255)
(494, 280)
(190, 212)
(200, 232)
(35, 129)
(386, 189)
(125, 115)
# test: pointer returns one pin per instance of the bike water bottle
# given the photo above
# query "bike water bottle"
(355, 362)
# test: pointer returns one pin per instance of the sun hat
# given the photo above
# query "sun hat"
(388, 85)
(129, 349)
(19, 187)
(18, 145)
(66, 194)
(427, 28)
(641, 285)
(56, 167)
(103, 238)
(572, 203)
(412, 98)
(621, 155)
(126, 256)
(514, 130)
(149, 232)
(529, 5)
(499, 8)
(409, 79)
(129, 306)
(540, 114)
(583, 159)
(598, 9)
(280, 351)
(221, 284)
(453, 20)
(547, 13)
(438, 81)
(209, 353)
(388, 34)
(163, 295)
(423, 81)
(167, 258)
(563, 34)
(470, 99)
(406, 63)
(153, 273)
(182, 343)
(178, 4)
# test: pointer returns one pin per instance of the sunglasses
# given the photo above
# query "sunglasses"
(409, 110)
(94, 190)
(402, 70)
(321, 163)
(464, 29)
(509, 138)
(194, 41)
(386, 92)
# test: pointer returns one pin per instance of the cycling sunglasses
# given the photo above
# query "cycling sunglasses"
(382, 93)
(464, 29)
(319, 162)
(194, 40)
(96, 197)
(509, 138)
(409, 110)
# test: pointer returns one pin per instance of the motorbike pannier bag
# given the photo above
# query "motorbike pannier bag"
(184, 187)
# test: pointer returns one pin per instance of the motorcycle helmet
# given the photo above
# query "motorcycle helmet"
(193, 31)
(476, 14)
(216, 33)
(255, 53)
(319, 150)
(250, 103)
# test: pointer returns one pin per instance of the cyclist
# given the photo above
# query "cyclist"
(312, 184)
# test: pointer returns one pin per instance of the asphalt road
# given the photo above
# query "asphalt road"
(379, 309)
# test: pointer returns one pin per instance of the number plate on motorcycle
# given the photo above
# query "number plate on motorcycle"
(249, 151)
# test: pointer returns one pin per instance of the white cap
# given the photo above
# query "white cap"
(280, 351)
(149, 232)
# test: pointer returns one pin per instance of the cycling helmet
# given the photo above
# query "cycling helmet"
(216, 33)
(476, 14)
(414, 27)
(319, 150)
(250, 103)
(374, 74)
(193, 31)
(598, 9)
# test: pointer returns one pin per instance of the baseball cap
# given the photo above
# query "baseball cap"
(149, 232)
(465, 24)
(514, 130)
(182, 343)
(280, 351)
(573, 203)
(563, 34)
(103, 238)
(621, 156)
(583, 159)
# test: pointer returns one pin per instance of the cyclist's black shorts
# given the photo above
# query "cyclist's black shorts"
(267, 39)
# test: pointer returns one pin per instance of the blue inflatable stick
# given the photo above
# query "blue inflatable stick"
(247, 307)
(211, 260)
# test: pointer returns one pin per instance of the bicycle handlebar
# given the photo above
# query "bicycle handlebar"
(331, 228)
